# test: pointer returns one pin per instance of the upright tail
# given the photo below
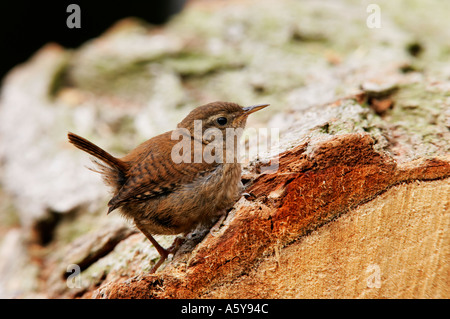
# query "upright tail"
(114, 173)
(89, 147)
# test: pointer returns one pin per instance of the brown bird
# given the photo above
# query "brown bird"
(167, 186)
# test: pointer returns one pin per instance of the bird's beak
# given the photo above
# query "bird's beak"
(250, 109)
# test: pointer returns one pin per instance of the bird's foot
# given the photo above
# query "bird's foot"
(248, 195)
(176, 245)
(214, 231)
(165, 252)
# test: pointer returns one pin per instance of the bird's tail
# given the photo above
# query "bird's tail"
(115, 170)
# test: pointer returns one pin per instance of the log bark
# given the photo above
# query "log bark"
(258, 252)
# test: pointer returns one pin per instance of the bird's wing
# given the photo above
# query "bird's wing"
(154, 173)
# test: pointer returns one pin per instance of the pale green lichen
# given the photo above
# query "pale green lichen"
(417, 122)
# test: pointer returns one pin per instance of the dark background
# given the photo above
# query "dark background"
(26, 25)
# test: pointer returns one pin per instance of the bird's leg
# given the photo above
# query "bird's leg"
(176, 245)
(164, 253)
(171, 250)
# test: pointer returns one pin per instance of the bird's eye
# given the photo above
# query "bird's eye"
(222, 120)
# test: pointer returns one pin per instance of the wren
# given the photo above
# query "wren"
(165, 195)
